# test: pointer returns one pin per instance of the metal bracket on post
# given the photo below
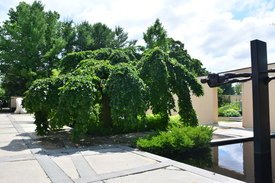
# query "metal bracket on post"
(261, 124)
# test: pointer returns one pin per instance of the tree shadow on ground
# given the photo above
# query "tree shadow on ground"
(59, 143)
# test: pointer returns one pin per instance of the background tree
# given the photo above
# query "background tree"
(238, 89)
(84, 38)
(120, 39)
(68, 33)
(227, 89)
(99, 35)
(156, 36)
(102, 35)
(30, 45)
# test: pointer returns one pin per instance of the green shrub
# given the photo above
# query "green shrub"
(233, 110)
(177, 140)
(175, 121)
(231, 113)
(154, 122)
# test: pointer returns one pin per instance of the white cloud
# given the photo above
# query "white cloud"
(216, 32)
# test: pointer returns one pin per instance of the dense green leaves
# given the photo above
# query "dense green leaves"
(155, 75)
(98, 35)
(106, 89)
(156, 36)
(177, 140)
(42, 100)
(164, 77)
(127, 94)
(177, 51)
(109, 83)
(30, 44)
(77, 104)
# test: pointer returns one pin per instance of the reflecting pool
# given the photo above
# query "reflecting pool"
(234, 160)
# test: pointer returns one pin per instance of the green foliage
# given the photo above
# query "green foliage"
(84, 37)
(238, 89)
(177, 140)
(118, 56)
(2, 92)
(155, 75)
(106, 88)
(127, 94)
(30, 43)
(77, 104)
(177, 51)
(120, 39)
(156, 36)
(153, 122)
(165, 76)
(227, 89)
(230, 110)
(71, 60)
(175, 122)
(42, 100)
(230, 113)
(98, 35)
(68, 33)
(181, 82)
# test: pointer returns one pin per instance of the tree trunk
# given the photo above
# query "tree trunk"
(106, 111)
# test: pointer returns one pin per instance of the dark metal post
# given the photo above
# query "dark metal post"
(262, 149)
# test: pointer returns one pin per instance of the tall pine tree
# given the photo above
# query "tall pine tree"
(30, 44)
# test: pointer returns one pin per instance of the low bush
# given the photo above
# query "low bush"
(177, 140)
(230, 110)
(231, 113)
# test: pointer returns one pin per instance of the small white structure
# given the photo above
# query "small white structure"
(19, 108)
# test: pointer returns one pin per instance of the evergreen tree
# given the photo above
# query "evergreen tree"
(156, 36)
(29, 46)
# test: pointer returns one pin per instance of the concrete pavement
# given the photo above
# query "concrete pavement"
(25, 159)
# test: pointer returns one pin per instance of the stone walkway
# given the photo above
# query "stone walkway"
(23, 159)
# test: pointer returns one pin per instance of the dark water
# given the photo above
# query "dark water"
(235, 160)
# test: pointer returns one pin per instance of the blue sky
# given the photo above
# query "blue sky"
(217, 32)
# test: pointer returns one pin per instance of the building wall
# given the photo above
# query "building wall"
(206, 106)
(247, 102)
(233, 98)
(247, 105)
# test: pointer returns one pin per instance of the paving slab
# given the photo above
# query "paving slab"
(82, 166)
(105, 163)
(15, 147)
(25, 159)
(5, 125)
(7, 130)
(67, 165)
(9, 137)
(22, 172)
(165, 175)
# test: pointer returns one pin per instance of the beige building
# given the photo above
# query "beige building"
(247, 105)
(207, 106)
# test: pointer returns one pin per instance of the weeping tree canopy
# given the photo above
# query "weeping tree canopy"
(164, 77)
(109, 90)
